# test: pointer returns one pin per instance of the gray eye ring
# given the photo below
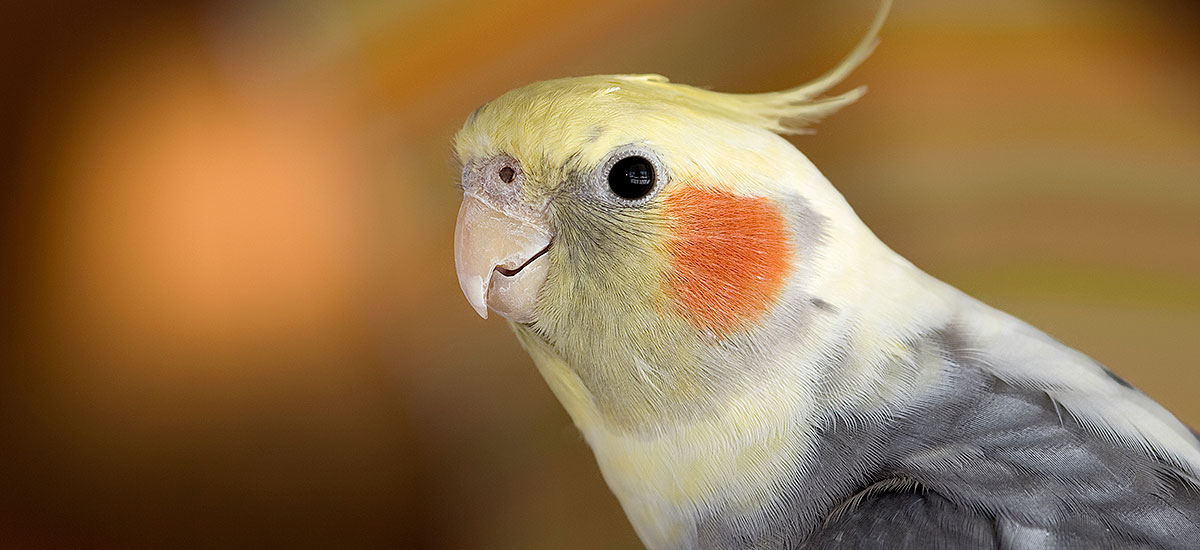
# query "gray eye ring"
(642, 179)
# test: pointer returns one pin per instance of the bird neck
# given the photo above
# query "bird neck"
(762, 427)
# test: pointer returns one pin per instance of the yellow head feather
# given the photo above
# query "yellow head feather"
(574, 121)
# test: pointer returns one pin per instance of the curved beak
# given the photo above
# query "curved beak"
(499, 259)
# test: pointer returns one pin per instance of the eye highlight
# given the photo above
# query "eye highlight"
(632, 177)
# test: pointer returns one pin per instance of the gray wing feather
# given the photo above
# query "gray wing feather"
(905, 518)
(974, 462)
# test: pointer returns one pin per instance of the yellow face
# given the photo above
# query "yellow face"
(633, 227)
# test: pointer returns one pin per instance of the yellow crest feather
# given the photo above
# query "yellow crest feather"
(571, 122)
(792, 111)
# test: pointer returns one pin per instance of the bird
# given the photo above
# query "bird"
(753, 368)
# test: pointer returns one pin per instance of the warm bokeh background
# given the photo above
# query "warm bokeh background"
(230, 312)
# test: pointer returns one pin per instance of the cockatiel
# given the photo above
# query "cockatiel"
(753, 368)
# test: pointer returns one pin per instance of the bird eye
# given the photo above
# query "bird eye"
(631, 177)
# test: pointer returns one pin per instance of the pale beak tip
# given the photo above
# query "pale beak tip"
(476, 291)
(481, 309)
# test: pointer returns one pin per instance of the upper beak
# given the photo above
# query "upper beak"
(499, 258)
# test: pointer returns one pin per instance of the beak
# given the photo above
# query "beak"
(499, 258)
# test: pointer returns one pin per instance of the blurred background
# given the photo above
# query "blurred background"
(230, 315)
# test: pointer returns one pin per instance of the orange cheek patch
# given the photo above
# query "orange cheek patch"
(729, 256)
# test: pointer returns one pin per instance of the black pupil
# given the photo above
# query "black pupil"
(631, 178)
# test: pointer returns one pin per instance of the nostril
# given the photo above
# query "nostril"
(507, 174)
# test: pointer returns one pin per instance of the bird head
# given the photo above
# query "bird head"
(631, 225)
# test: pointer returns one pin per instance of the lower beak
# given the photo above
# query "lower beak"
(500, 259)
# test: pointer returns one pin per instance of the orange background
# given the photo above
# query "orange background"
(231, 315)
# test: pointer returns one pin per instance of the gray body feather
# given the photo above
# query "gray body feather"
(974, 462)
